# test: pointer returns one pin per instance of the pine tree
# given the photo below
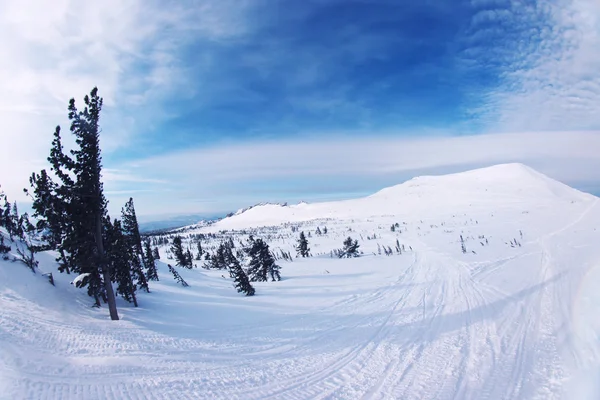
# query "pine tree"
(261, 264)
(156, 253)
(151, 271)
(181, 257)
(318, 231)
(302, 247)
(131, 232)
(189, 259)
(52, 218)
(120, 256)
(220, 259)
(9, 223)
(80, 191)
(324, 230)
(463, 247)
(240, 279)
(200, 251)
(350, 248)
(177, 277)
(4, 249)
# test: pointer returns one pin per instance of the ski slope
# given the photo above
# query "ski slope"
(501, 321)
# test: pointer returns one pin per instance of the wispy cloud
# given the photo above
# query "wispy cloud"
(130, 49)
(546, 58)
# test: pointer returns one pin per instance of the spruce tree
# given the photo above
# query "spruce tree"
(200, 251)
(156, 253)
(350, 248)
(240, 279)
(261, 264)
(182, 257)
(80, 191)
(302, 247)
(120, 256)
(9, 223)
(52, 219)
(134, 240)
(131, 227)
(151, 271)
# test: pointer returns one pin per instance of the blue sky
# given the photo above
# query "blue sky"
(214, 105)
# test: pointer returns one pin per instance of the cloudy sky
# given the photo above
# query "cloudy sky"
(212, 105)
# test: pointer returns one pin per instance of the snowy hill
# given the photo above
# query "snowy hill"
(514, 316)
(500, 185)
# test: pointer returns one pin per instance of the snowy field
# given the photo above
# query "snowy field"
(515, 317)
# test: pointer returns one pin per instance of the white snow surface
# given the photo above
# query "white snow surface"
(503, 321)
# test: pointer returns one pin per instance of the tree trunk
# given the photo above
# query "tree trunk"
(110, 294)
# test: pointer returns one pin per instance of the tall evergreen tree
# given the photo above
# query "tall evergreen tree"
(120, 256)
(134, 240)
(302, 246)
(131, 227)
(80, 192)
(151, 271)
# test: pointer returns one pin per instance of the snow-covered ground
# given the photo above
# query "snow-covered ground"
(516, 317)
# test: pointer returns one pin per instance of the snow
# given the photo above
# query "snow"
(503, 321)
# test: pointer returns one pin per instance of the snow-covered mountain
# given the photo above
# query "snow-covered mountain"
(491, 292)
(500, 185)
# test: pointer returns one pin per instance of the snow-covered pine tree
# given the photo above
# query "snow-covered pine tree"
(302, 246)
(156, 253)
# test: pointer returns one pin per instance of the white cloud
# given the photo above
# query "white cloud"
(228, 177)
(52, 51)
(550, 79)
